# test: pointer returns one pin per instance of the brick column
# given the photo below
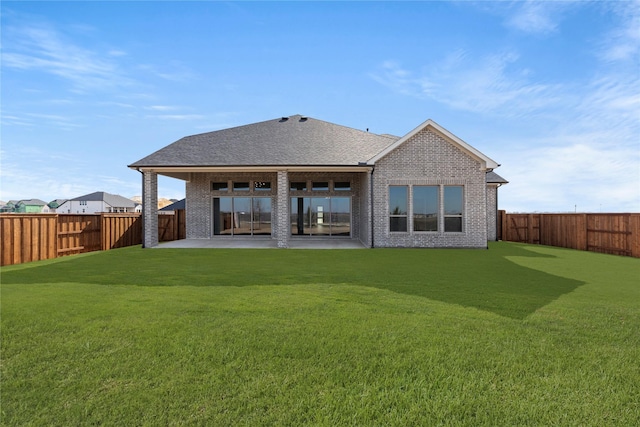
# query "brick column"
(149, 209)
(282, 210)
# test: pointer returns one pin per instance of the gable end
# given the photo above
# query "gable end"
(486, 162)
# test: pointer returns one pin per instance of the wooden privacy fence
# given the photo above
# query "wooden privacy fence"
(33, 237)
(610, 233)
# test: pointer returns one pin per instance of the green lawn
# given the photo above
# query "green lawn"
(516, 335)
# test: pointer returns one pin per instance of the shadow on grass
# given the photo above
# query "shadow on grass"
(483, 279)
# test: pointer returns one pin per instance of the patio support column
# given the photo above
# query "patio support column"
(149, 209)
(282, 210)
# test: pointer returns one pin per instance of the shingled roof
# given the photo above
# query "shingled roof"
(494, 178)
(286, 141)
(112, 200)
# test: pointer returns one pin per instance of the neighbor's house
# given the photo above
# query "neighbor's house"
(8, 206)
(31, 206)
(175, 206)
(96, 203)
(55, 204)
(301, 178)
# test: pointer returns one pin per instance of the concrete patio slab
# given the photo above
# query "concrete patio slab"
(258, 243)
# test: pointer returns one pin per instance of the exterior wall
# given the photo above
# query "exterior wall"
(364, 222)
(149, 209)
(199, 207)
(281, 212)
(429, 159)
(492, 212)
(74, 207)
(92, 206)
(32, 209)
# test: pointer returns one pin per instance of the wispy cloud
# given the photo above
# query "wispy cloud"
(163, 107)
(538, 17)
(491, 84)
(623, 42)
(176, 116)
(42, 48)
(174, 71)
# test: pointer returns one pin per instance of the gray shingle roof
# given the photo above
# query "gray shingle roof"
(111, 199)
(494, 178)
(33, 202)
(295, 140)
(180, 204)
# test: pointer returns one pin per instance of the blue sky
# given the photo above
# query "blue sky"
(550, 90)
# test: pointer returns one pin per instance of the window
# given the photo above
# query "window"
(453, 202)
(342, 186)
(220, 186)
(261, 186)
(398, 208)
(425, 208)
(240, 186)
(320, 216)
(241, 216)
(320, 186)
(83, 203)
(298, 186)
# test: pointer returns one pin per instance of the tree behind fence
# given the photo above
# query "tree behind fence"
(33, 237)
(610, 233)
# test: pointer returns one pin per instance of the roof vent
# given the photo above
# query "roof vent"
(284, 119)
(303, 119)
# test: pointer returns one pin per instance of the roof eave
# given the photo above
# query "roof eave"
(364, 167)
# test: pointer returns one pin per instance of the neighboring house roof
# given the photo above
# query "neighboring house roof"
(494, 178)
(290, 141)
(32, 202)
(56, 202)
(111, 199)
(180, 204)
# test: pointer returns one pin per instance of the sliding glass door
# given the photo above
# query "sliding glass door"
(241, 216)
(321, 216)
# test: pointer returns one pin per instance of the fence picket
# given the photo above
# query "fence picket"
(610, 233)
(32, 237)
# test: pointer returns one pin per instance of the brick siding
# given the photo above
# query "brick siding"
(150, 207)
(429, 159)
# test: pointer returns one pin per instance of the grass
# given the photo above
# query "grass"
(516, 335)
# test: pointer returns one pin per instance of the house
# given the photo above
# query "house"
(97, 202)
(31, 206)
(301, 178)
(7, 206)
(175, 206)
(55, 204)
